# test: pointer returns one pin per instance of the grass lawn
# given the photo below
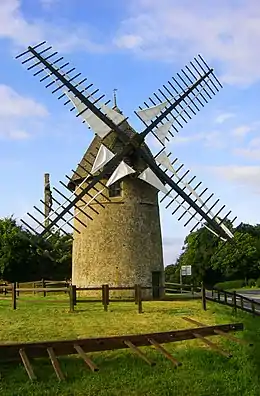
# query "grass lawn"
(204, 372)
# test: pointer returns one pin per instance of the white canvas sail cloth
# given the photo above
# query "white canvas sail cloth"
(164, 161)
(104, 155)
(121, 171)
(162, 131)
(148, 114)
(149, 177)
(98, 126)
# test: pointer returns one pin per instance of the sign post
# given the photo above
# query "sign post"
(184, 271)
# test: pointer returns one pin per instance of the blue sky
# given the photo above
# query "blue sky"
(135, 47)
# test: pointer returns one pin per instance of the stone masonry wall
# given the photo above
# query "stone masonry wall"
(122, 245)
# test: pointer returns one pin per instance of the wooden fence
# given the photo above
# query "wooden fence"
(15, 293)
(231, 299)
(44, 287)
(180, 288)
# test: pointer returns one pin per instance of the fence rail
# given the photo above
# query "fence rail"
(17, 290)
(234, 300)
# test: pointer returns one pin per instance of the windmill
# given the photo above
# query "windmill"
(118, 154)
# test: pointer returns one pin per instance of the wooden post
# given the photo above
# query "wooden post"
(17, 287)
(74, 292)
(107, 294)
(253, 307)
(218, 295)
(225, 297)
(203, 296)
(34, 286)
(235, 301)
(241, 302)
(212, 293)
(136, 294)
(104, 299)
(139, 299)
(47, 199)
(43, 286)
(14, 295)
(71, 299)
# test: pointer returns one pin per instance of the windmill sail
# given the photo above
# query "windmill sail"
(98, 126)
(209, 206)
(195, 85)
(121, 171)
(104, 155)
(149, 177)
(151, 112)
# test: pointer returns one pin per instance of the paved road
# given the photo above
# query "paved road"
(254, 294)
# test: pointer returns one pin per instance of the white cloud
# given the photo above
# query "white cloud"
(248, 153)
(252, 151)
(221, 118)
(213, 139)
(15, 110)
(15, 105)
(21, 31)
(224, 31)
(242, 130)
(248, 176)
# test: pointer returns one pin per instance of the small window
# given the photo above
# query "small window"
(115, 190)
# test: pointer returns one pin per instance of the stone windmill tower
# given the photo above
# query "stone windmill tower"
(113, 202)
(123, 246)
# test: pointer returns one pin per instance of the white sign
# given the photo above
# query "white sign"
(186, 270)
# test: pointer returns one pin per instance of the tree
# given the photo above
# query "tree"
(198, 248)
(26, 257)
(239, 259)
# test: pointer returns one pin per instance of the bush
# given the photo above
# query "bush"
(233, 284)
(258, 282)
(251, 282)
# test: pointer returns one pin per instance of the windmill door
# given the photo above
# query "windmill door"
(156, 280)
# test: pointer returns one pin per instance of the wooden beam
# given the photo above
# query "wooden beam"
(86, 359)
(10, 352)
(27, 364)
(139, 353)
(212, 345)
(55, 364)
(220, 332)
(164, 352)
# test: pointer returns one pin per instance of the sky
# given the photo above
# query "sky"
(135, 47)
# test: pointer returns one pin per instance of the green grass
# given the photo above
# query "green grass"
(204, 371)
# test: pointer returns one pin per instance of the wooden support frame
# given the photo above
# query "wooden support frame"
(27, 364)
(86, 359)
(10, 352)
(220, 332)
(139, 353)
(13, 352)
(55, 364)
(164, 352)
(212, 345)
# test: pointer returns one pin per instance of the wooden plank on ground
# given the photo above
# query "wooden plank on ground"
(139, 353)
(55, 364)
(27, 365)
(161, 349)
(10, 351)
(86, 359)
(220, 332)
